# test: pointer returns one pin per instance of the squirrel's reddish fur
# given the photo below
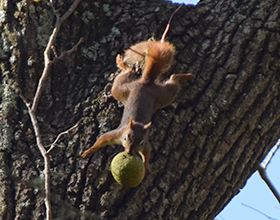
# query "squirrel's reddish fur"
(157, 57)
(141, 97)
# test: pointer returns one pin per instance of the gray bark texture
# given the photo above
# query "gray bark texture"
(206, 144)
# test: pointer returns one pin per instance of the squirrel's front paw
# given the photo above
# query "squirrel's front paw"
(88, 153)
(147, 170)
(120, 62)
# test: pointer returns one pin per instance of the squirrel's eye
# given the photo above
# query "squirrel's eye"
(141, 143)
(125, 138)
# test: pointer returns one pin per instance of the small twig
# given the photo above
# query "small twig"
(271, 154)
(54, 51)
(47, 52)
(55, 11)
(262, 171)
(35, 125)
(264, 176)
(259, 212)
(68, 52)
(168, 24)
(219, 217)
(61, 135)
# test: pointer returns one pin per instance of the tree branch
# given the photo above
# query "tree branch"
(45, 156)
(48, 62)
(40, 87)
(262, 171)
(68, 52)
(60, 136)
(35, 125)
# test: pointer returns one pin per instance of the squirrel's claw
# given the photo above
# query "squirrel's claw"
(182, 77)
(88, 153)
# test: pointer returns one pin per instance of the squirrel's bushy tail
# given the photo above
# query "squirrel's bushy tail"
(154, 57)
(158, 59)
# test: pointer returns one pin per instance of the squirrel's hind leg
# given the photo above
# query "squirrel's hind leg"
(120, 62)
(167, 92)
(120, 88)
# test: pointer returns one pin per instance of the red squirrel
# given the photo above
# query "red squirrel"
(141, 97)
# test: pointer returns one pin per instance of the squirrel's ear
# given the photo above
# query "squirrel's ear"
(130, 123)
(146, 127)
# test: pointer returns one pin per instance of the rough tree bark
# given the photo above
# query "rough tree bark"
(205, 145)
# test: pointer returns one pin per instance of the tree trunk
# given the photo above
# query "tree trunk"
(206, 144)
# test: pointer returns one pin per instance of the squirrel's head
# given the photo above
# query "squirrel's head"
(133, 137)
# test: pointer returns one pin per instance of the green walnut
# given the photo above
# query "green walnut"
(128, 170)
